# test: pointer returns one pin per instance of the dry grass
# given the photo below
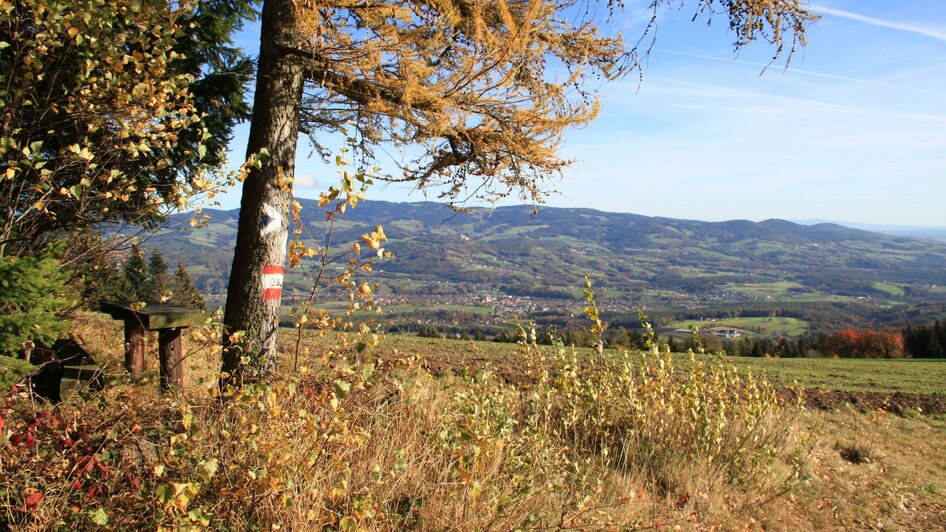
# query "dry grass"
(872, 471)
(351, 445)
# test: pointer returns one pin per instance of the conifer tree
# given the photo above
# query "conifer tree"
(185, 293)
(157, 275)
(33, 295)
(136, 275)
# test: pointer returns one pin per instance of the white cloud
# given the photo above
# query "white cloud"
(306, 180)
(925, 31)
(801, 71)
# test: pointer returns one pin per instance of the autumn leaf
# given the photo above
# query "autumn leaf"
(33, 498)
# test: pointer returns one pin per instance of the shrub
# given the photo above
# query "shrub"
(622, 441)
(33, 297)
(13, 371)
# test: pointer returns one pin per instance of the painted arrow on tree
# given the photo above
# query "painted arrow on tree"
(271, 220)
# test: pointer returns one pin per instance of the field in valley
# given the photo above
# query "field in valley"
(753, 326)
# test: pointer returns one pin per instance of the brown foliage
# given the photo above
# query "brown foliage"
(867, 343)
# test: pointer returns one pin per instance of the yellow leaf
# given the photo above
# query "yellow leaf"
(364, 290)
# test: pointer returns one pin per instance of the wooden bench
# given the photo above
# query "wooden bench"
(169, 321)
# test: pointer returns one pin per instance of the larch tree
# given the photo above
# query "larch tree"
(481, 90)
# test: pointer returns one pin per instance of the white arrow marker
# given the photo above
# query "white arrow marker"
(272, 220)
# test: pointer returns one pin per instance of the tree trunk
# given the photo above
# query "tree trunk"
(255, 289)
(135, 360)
(171, 362)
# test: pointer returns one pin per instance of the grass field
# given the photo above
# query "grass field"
(892, 289)
(885, 376)
(769, 327)
(762, 290)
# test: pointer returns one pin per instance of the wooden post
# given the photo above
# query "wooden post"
(171, 364)
(134, 346)
(169, 321)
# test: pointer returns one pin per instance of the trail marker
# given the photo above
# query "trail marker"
(272, 282)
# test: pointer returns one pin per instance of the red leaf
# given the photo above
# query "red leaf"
(33, 499)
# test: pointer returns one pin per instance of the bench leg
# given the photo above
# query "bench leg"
(172, 367)
(134, 347)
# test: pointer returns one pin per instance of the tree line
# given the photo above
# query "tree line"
(923, 341)
(926, 341)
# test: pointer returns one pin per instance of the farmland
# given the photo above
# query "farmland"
(757, 326)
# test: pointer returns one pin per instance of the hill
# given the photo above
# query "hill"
(510, 261)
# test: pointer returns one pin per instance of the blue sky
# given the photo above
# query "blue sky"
(853, 130)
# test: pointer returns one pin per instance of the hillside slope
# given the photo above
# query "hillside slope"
(542, 258)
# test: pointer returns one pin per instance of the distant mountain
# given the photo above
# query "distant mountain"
(915, 231)
(507, 253)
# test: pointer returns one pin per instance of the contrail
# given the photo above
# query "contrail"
(919, 30)
(801, 71)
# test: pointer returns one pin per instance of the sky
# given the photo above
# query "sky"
(852, 130)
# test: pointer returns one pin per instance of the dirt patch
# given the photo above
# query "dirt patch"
(898, 403)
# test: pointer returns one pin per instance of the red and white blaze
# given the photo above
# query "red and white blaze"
(272, 282)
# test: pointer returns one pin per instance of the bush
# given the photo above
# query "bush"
(13, 371)
(33, 296)
(620, 441)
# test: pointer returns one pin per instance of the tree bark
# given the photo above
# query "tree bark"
(255, 289)
(171, 363)
(135, 361)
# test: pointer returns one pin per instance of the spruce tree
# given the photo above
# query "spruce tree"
(33, 297)
(136, 276)
(184, 291)
(157, 275)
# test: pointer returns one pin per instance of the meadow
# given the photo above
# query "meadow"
(401, 432)
(855, 375)
(755, 326)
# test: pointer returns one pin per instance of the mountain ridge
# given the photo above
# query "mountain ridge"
(453, 258)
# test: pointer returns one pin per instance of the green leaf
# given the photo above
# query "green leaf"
(367, 371)
(201, 151)
(164, 493)
(99, 517)
(197, 515)
(342, 388)
(4, 44)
